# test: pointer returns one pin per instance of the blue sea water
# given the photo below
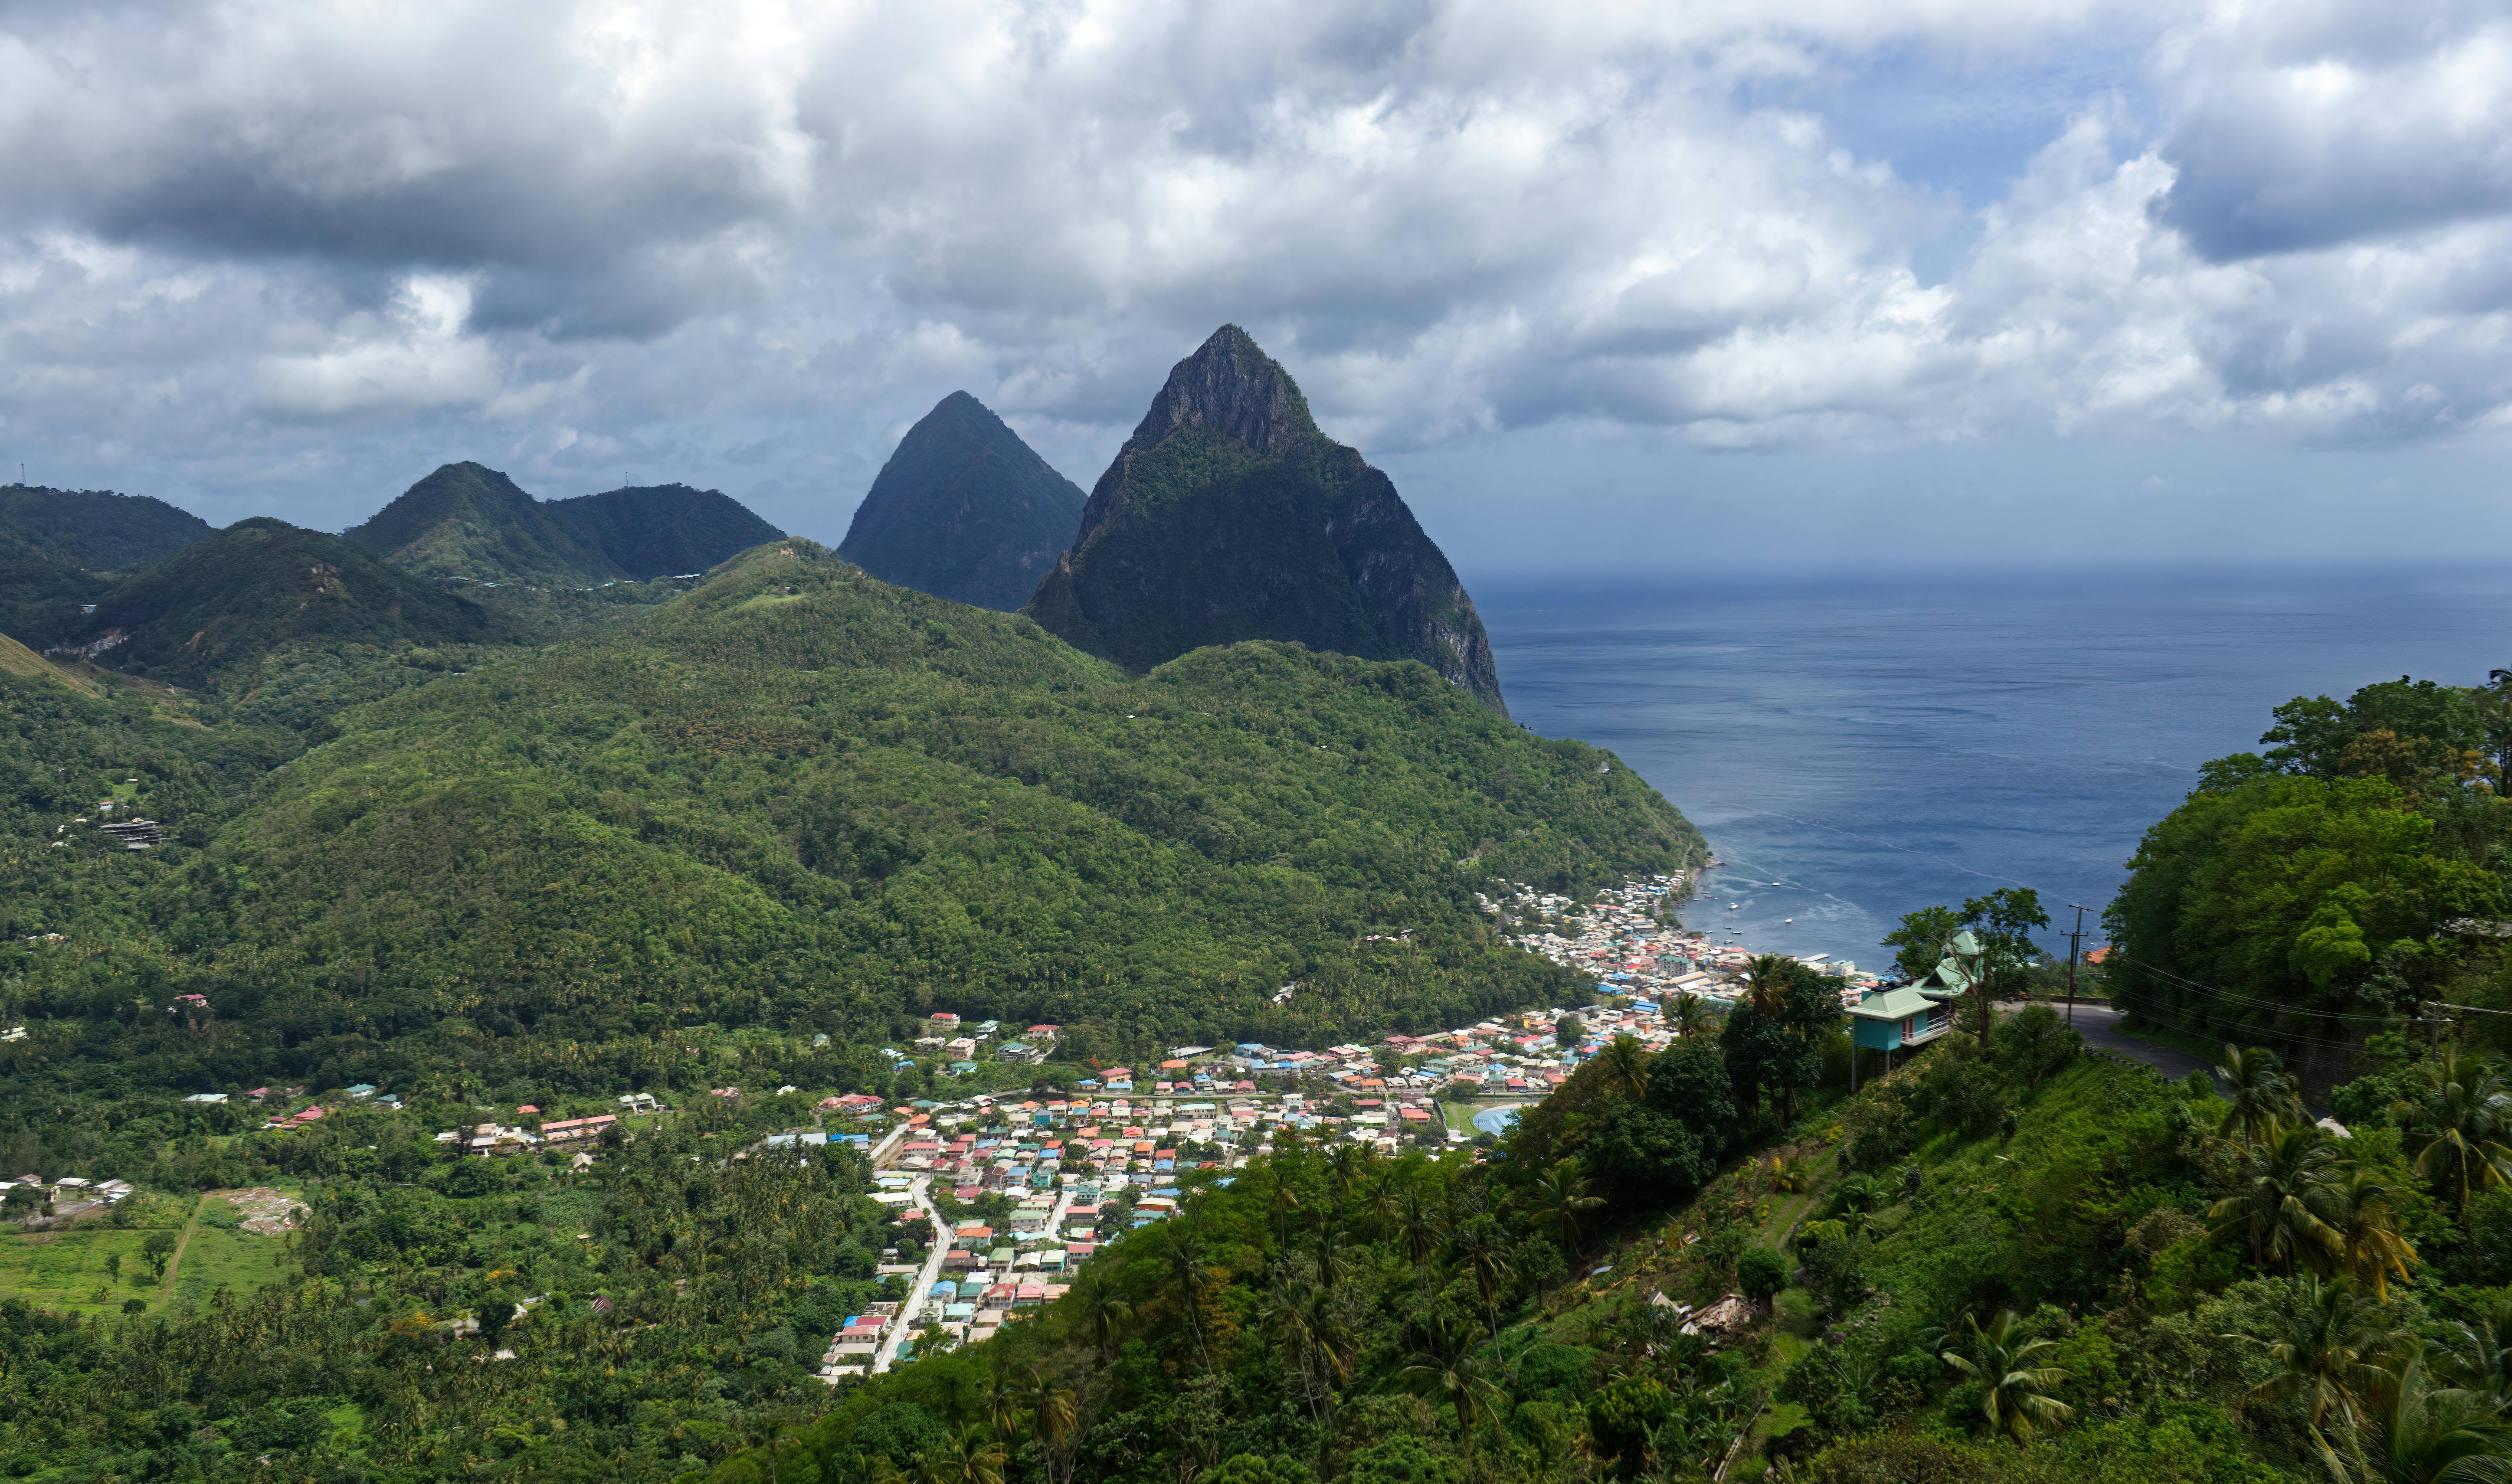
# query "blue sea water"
(1856, 746)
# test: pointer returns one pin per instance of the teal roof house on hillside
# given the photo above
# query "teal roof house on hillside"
(1894, 1020)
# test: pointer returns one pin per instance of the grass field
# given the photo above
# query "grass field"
(71, 1271)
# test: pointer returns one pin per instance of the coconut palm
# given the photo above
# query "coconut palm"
(2415, 1432)
(1104, 1311)
(1054, 1413)
(1347, 1170)
(1191, 1267)
(2264, 1096)
(1447, 1368)
(968, 1457)
(1766, 982)
(1309, 1330)
(2289, 1188)
(1626, 1065)
(1476, 1246)
(2371, 1248)
(2478, 1356)
(1333, 1255)
(2331, 1350)
(1419, 1225)
(2458, 1124)
(2014, 1391)
(1560, 1196)
(1688, 1015)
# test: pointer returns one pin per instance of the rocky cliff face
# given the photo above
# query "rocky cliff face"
(1227, 517)
(965, 510)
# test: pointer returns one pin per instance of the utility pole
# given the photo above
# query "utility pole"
(2075, 940)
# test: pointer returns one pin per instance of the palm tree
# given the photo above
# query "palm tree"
(1689, 1015)
(2288, 1191)
(1766, 982)
(1560, 1196)
(2480, 1356)
(1313, 1339)
(2263, 1094)
(2371, 1247)
(1626, 1063)
(1282, 1200)
(2015, 1393)
(2414, 1433)
(1191, 1267)
(969, 1457)
(2458, 1124)
(1419, 1227)
(1476, 1246)
(1333, 1254)
(1448, 1369)
(1003, 1403)
(1346, 1169)
(1053, 1412)
(2330, 1348)
(1103, 1308)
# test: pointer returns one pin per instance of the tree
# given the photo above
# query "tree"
(1625, 1063)
(2283, 1204)
(1760, 1273)
(2003, 921)
(2265, 1099)
(2369, 1247)
(2035, 1043)
(1420, 1226)
(2458, 1124)
(157, 1247)
(1448, 1368)
(1688, 1016)
(1920, 940)
(1191, 1267)
(2331, 1350)
(2014, 1391)
(2414, 1433)
(1773, 1040)
(1475, 1245)
(1567, 1031)
(1560, 1196)
(1659, 1149)
(2478, 1357)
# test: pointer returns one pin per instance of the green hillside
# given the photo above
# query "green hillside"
(471, 522)
(95, 528)
(660, 530)
(261, 585)
(965, 510)
(800, 796)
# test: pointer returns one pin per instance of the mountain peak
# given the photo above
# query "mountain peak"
(1229, 517)
(963, 510)
(1231, 386)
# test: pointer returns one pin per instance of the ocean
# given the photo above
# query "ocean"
(1858, 745)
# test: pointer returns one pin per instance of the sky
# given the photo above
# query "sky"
(1628, 285)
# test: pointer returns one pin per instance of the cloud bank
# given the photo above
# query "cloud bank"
(289, 256)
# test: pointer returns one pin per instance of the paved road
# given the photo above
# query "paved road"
(2100, 1028)
(907, 1324)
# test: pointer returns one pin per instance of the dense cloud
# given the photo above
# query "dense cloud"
(282, 257)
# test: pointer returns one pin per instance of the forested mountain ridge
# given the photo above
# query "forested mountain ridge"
(661, 531)
(965, 510)
(1228, 516)
(470, 522)
(798, 795)
(97, 528)
(261, 585)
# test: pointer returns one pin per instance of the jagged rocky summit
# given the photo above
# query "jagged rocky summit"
(1228, 516)
(965, 510)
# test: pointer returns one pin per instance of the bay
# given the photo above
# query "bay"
(1857, 745)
